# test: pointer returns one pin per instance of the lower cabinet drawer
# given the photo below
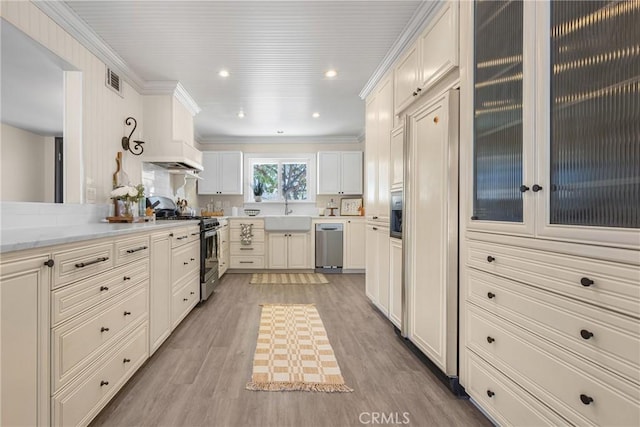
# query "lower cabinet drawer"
(184, 261)
(258, 235)
(608, 339)
(579, 391)
(75, 298)
(238, 249)
(77, 343)
(507, 403)
(247, 262)
(82, 400)
(184, 299)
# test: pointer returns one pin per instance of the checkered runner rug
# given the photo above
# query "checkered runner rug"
(288, 278)
(293, 352)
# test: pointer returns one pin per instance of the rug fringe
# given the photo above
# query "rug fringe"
(301, 305)
(298, 386)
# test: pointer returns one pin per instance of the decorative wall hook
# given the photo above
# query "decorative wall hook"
(126, 140)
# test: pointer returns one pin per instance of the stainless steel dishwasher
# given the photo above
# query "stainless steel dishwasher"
(329, 248)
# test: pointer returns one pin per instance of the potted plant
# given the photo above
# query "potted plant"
(258, 190)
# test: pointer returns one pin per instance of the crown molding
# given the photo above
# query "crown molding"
(159, 87)
(185, 99)
(66, 18)
(346, 139)
(423, 15)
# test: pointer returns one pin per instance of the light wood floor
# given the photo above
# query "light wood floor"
(197, 377)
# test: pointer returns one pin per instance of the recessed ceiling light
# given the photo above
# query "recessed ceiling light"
(223, 73)
(241, 114)
(281, 131)
(315, 115)
(331, 73)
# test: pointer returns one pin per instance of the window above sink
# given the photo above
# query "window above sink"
(293, 174)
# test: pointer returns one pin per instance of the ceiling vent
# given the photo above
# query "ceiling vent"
(114, 82)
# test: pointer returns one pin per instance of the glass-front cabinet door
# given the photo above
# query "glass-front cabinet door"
(502, 101)
(588, 121)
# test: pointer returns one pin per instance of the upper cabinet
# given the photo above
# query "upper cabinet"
(340, 172)
(554, 152)
(397, 158)
(222, 173)
(430, 58)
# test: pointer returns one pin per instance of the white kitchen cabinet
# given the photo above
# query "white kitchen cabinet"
(432, 231)
(379, 120)
(395, 279)
(224, 255)
(222, 173)
(251, 255)
(24, 340)
(340, 172)
(185, 272)
(288, 250)
(397, 158)
(160, 291)
(377, 267)
(429, 59)
(354, 244)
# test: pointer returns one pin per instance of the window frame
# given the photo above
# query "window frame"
(250, 159)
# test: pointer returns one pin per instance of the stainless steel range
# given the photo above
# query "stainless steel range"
(166, 209)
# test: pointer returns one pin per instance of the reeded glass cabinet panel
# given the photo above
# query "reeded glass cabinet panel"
(594, 113)
(498, 95)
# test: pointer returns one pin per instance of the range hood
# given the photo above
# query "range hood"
(176, 155)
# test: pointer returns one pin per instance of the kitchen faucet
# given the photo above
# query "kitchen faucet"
(287, 211)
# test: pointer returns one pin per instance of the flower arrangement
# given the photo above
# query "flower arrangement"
(258, 188)
(124, 195)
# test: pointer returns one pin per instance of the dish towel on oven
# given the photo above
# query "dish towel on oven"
(246, 233)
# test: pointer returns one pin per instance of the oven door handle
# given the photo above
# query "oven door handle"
(210, 233)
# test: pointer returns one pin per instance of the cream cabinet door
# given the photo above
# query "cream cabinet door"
(397, 158)
(354, 244)
(298, 250)
(371, 278)
(385, 123)
(160, 290)
(230, 167)
(371, 157)
(329, 171)
(407, 79)
(209, 184)
(277, 248)
(439, 51)
(351, 172)
(24, 342)
(395, 279)
(382, 247)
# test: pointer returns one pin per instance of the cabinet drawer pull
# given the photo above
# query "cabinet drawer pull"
(246, 262)
(524, 188)
(126, 278)
(585, 281)
(185, 299)
(536, 188)
(374, 217)
(141, 248)
(104, 383)
(418, 89)
(183, 237)
(49, 263)
(104, 288)
(125, 360)
(95, 261)
(491, 295)
(586, 334)
(185, 263)
(374, 228)
(415, 93)
(170, 234)
(490, 340)
(192, 293)
(586, 399)
(195, 234)
(127, 313)
(193, 259)
(490, 258)
(103, 329)
(490, 393)
(246, 249)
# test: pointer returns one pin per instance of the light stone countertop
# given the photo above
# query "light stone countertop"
(17, 239)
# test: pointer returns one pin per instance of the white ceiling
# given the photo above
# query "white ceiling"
(276, 52)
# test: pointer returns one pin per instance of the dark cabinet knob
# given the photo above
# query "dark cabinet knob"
(418, 89)
(585, 281)
(186, 263)
(193, 259)
(127, 313)
(490, 258)
(490, 393)
(103, 329)
(192, 293)
(185, 299)
(586, 399)
(104, 383)
(415, 93)
(524, 188)
(49, 263)
(536, 188)
(491, 295)
(490, 340)
(170, 234)
(103, 288)
(126, 278)
(125, 360)
(586, 334)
